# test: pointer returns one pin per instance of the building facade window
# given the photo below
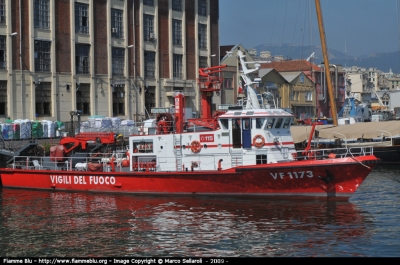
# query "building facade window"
(3, 98)
(118, 61)
(202, 36)
(42, 14)
(177, 5)
(148, 2)
(81, 18)
(148, 27)
(203, 61)
(294, 95)
(117, 25)
(386, 99)
(43, 99)
(82, 58)
(202, 6)
(42, 56)
(150, 97)
(118, 100)
(177, 31)
(309, 96)
(83, 99)
(228, 82)
(2, 11)
(149, 64)
(3, 61)
(178, 66)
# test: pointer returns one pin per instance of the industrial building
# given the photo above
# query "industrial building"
(117, 58)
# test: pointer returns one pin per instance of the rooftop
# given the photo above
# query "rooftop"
(292, 66)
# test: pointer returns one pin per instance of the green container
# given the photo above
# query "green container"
(37, 129)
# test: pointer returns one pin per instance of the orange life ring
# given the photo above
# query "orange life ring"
(195, 146)
(260, 143)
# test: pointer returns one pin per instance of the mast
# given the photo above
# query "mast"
(326, 62)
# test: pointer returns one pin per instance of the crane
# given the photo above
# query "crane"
(208, 83)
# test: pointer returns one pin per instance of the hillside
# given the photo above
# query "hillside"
(380, 61)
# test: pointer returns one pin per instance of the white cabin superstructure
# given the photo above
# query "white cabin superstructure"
(245, 137)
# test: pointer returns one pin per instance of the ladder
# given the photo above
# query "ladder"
(178, 152)
(237, 159)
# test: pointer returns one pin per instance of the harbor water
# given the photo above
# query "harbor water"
(68, 224)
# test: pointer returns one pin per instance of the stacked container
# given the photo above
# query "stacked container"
(16, 130)
(37, 129)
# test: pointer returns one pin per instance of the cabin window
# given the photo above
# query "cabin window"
(259, 122)
(224, 123)
(236, 124)
(246, 124)
(271, 122)
(143, 146)
(279, 123)
(261, 159)
(286, 123)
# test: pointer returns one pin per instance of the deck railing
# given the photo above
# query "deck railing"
(319, 154)
(118, 161)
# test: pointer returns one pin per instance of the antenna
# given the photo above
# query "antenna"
(311, 56)
(345, 54)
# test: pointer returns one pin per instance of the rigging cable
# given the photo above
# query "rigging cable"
(310, 24)
(302, 40)
(273, 25)
(398, 27)
(284, 25)
(294, 30)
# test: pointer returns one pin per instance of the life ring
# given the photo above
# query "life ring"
(260, 143)
(195, 146)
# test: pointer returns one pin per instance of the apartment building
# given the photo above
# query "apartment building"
(361, 83)
(117, 58)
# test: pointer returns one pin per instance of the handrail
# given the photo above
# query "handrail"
(391, 137)
(343, 152)
(26, 162)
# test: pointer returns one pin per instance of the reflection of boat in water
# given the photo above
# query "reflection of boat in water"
(184, 222)
(245, 151)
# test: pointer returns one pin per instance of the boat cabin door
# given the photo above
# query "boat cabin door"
(236, 133)
(246, 132)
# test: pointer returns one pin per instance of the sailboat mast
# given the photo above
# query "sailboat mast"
(326, 62)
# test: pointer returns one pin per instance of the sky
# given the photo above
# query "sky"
(355, 27)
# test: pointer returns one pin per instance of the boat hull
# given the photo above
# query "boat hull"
(388, 154)
(316, 178)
